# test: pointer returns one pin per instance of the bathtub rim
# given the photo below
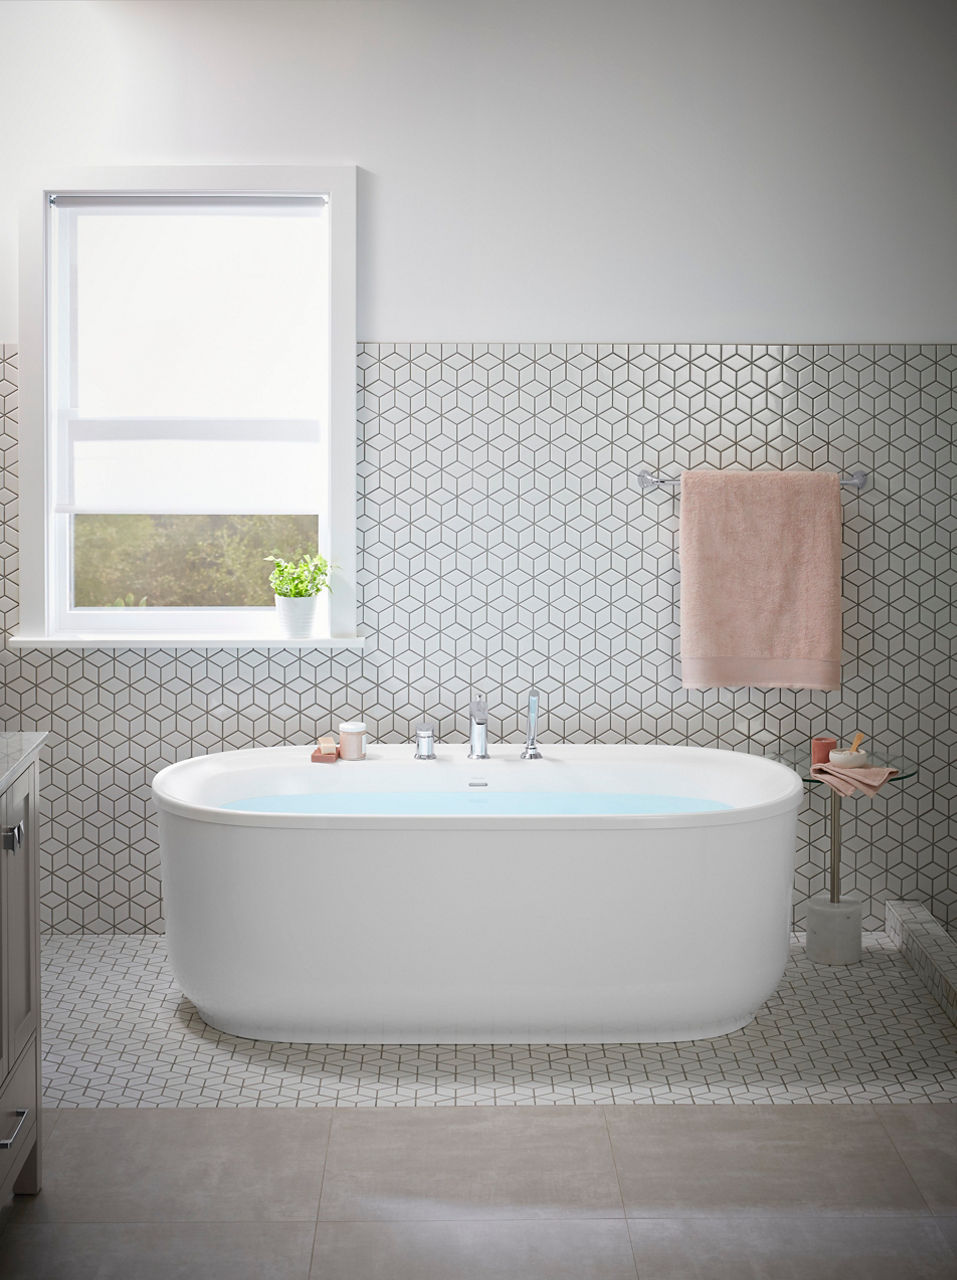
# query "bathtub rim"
(790, 799)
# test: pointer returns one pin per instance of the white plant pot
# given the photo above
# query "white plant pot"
(297, 615)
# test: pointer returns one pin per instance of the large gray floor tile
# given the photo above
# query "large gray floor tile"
(521, 1163)
(803, 1247)
(157, 1251)
(48, 1122)
(926, 1138)
(595, 1250)
(195, 1165)
(720, 1160)
(947, 1225)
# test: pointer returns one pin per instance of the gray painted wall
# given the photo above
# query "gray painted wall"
(543, 170)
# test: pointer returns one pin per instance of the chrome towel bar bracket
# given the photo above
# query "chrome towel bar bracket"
(648, 480)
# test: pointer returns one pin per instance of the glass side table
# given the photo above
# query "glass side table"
(834, 930)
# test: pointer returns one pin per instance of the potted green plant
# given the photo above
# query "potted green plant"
(297, 585)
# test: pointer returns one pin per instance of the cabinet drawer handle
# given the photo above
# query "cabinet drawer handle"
(13, 837)
(22, 1112)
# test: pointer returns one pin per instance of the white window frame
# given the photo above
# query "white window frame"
(43, 553)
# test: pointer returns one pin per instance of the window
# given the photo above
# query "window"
(198, 394)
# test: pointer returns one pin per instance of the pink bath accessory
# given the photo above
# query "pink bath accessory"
(846, 781)
(821, 749)
(326, 752)
(353, 740)
(760, 555)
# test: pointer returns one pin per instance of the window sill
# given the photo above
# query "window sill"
(94, 640)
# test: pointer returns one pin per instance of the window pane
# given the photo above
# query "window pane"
(196, 475)
(220, 314)
(176, 561)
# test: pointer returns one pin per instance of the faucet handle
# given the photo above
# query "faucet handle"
(478, 710)
(424, 742)
(531, 751)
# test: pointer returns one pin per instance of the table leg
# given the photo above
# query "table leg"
(835, 846)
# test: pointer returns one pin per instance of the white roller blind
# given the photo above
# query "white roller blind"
(177, 476)
(193, 368)
(220, 313)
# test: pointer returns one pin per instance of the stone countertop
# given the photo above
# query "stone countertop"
(15, 750)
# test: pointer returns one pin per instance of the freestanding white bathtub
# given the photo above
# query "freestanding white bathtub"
(478, 901)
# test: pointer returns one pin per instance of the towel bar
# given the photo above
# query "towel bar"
(648, 480)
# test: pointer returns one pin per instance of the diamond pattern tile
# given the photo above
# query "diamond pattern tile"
(928, 948)
(504, 542)
(118, 1033)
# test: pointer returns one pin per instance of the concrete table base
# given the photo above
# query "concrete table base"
(834, 931)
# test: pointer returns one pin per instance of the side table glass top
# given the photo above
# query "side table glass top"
(800, 762)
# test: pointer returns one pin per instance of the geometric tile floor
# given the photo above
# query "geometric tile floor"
(117, 1033)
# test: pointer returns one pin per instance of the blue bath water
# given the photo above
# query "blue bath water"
(477, 801)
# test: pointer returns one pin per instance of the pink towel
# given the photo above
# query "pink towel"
(846, 781)
(760, 579)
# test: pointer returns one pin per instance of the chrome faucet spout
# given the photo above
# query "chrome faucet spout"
(478, 729)
(531, 751)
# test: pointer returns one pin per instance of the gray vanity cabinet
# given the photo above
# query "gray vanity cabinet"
(20, 1085)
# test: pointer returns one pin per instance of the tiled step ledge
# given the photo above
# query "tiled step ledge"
(928, 948)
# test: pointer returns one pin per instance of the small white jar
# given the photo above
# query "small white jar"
(353, 740)
(844, 758)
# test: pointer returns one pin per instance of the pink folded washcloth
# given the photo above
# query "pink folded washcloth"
(760, 556)
(846, 781)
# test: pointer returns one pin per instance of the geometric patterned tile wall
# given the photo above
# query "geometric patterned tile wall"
(504, 542)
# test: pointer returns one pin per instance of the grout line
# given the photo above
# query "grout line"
(621, 1194)
(903, 1159)
(782, 1215)
(322, 1183)
(471, 1217)
(687, 1215)
(17, 1221)
(49, 1118)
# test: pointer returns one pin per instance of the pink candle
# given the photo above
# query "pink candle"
(821, 749)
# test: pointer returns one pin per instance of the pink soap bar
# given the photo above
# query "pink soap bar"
(326, 752)
(821, 749)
